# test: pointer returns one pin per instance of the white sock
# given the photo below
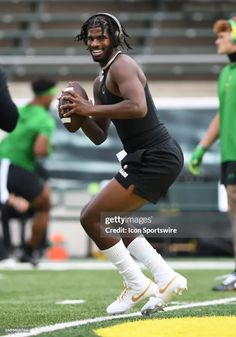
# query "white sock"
(127, 267)
(141, 249)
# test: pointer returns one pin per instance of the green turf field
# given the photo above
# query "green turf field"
(28, 299)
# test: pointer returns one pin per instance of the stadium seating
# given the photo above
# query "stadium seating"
(43, 32)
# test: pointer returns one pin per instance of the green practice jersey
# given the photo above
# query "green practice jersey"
(18, 146)
(227, 98)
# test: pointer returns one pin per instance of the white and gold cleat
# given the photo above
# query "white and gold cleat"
(165, 294)
(130, 297)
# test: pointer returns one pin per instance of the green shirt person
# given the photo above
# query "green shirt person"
(223, 127)
(19, 151)
(18, 146)
(225, 118)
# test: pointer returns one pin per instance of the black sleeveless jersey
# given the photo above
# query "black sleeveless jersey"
(136, 133)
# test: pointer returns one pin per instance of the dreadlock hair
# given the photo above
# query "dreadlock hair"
(105, 23)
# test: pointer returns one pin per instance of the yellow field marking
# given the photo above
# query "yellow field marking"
(174, 327)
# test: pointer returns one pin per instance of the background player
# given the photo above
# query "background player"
(19, 152)
(223, 126)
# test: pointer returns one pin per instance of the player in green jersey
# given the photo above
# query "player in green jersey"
(19, 152)
(223, 127)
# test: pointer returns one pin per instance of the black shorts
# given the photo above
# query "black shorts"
(152, 171)
(24, 183)
(228, 173)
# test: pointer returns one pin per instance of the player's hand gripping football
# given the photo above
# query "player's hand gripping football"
(76, 103)
(72, 122)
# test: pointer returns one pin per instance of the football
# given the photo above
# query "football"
(73, 122)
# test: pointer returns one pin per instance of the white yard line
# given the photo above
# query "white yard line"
(71, 302)
(98, 265)
(66, 325)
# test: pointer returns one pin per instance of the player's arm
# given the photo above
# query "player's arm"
(126, 83)
(208, 139)
(9, 112)
(96, 129)
(123, 77)
(41, 146)
(212, 133)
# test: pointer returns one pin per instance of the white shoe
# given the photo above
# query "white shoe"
(165, 294)
(130, 297)
(229, 283)
(8, 263)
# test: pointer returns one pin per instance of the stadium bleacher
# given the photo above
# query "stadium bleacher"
(168, 36)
